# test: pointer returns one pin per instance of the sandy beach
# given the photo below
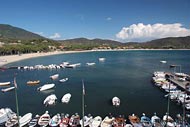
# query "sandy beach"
(13, 58)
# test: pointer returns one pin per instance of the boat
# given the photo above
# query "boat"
(64, 121)
(66, 98)
(64, 80)
(46, 87)
(156, 121)
(5, 115)
(8, 89)
(53, 77)
(87, 120)
(74, 120)
(35, 82)
(90, 64)
(25, 119)
(50, 100)
(163, 61)
(96, 121)
(115, 101)
(55, 120)
(134, 120)
(107, 121)
(5, 83)
(101, 59)
(119, 121)
(33, 122)
(146, 121)
(168, 121)
(44, 119)
(12, 121)
(72, 65)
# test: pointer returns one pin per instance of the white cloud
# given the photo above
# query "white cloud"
(55, 36)
(141, 32)
(108, 18)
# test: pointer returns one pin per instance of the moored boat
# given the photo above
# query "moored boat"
(5, 115)
(34, 121)
(25, 119)
(12, 121)
(108, 121)
(115, 101)
(44, 119)
(8, 89)
(146, 121)
(101, 59)
(5, 83)
(55, 120)
(90, 64)
(55, 76)
(119, 121)
(50, 100)
(64, 121)
(74, 120)
(156, 121)
(35, 82)
(87, 120)
(66, 98)
(134, 120)
(96, 121)
(168, 121)
(64, 80)
(46, 87)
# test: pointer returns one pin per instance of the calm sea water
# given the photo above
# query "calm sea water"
(126, 74)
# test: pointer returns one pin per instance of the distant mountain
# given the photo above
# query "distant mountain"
(11, 32)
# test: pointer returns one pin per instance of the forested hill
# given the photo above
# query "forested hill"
(11, 32)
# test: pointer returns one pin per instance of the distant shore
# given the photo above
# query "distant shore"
(4, 60)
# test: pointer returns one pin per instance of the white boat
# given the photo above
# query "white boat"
(64, 80)
(115, 101)
(33, 122)
(44, 119)
(72, 65)
(46, 87)
(102, 59)
(53, 77)
(156, 121)
(87, 120)
(50, 100)
(163, 61)
(5, 114)
(5, 83)
(25, 119)
(66, 98)
(90, 64)
(169, 121)
(55, 120)
(74, 120)
(96, 121)
(12, 121)
(64, 121)
(107, 122)
(8, 89)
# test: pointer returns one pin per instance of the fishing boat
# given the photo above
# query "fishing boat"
(12, 121)
(5, 115)
(44, 119)
(87, 120)
(107, 121)
(46, 87)
(119, 121)
(64, 80)
(156, 121)
(50, 100)
(96, 121)
(33, 122)
(146, 121)
(35, 82)
(64, 121)
(25, 119)
(134, 120)
(53, 77)
(66, 98)
(5, 83)
(74, 120)
(8, 89)
(115, 101)
(55, 120)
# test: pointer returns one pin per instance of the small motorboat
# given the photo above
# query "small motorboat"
(5, 83)
(119, 121)
(5, 115)
(156, 121)
(25, 119)
(87, 120)
(163, 61)
(44, 119)
(50, 100)
(168, 120)
(55, 120)
(64, 121)
(53, 77)
(33, 82)
(108, 121)
(96, 121)
(46, 87)
(135, 121)
(115, 101)
(90, 64)
(66, 98)
(74, 120)
(33, 122)
(12, 121)
(101, 59)
(64, 80)
(146, 121)
(8, 89)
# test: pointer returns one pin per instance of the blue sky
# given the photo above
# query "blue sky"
(123, 20)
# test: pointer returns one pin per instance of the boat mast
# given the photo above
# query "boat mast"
(168, 107)
(17, 109)
(83, 93)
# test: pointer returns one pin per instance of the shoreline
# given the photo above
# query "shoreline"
(4, 60)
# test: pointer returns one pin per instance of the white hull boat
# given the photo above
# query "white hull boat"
(5, 114)
(55, 121)
(33, 122)
(64, 80)
(25, 119)
(44, 119)
(46, 87)
(8, 89)
(50, 100)
(115, 101)
(12, 121)
(87, 120)
(107, 122)
(5, 83)
(102, 59)
(90, 64)
(96, 121)
(53, 77)
(66, 98)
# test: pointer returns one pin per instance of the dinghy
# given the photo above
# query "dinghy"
(74, 120)
(115, 101)
(33, 122)
(63, 80)
(53, 77)
(44, 119)
(55, 120)
(8, 89)
(87, 120)
(66, 98)
(50, 100)
(25, 119)
(12, 121)
(46, 87)
(108, 121)
(96, 121)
